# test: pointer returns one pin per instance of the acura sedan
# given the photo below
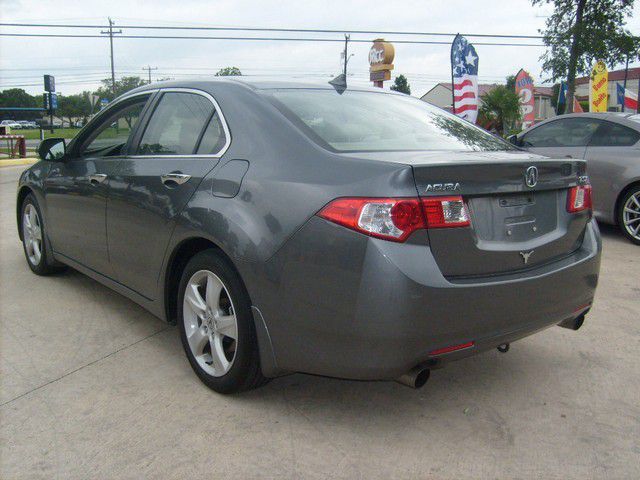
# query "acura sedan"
(288, 227)
(610, 143)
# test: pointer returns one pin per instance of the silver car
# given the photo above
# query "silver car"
(610, 143)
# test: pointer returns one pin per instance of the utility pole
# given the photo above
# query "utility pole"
(148, 68)
(111, 33)
(345, 54)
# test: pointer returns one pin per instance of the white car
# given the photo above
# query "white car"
(11, 123)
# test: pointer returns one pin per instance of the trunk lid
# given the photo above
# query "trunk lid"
(514, 226)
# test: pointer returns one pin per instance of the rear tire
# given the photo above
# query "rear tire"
(34, 238)
(629, 214)
(216, 325)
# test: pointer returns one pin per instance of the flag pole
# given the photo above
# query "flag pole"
(453, 90)
(624, 85)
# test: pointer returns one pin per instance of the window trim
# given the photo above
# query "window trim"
(218, 110)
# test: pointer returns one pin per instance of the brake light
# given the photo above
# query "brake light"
(396, 218)
(579, 198)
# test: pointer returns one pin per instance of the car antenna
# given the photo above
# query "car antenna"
(339, 83)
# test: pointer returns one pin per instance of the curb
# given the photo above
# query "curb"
(12, 162)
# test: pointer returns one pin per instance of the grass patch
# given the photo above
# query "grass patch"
(34, 133)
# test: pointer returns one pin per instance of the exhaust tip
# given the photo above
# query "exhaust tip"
(572, 323)
(415, 378)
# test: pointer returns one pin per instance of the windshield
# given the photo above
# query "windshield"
(371, 121)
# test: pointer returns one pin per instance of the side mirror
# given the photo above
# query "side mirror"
(513, 139)
(52, 149)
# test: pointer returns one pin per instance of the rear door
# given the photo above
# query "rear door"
(561, 138)
(77, 189)
(181, 142)
(613, 151)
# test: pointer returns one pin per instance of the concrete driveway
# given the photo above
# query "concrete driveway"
(92, 386)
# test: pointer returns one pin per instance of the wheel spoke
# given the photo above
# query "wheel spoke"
(37, 233)
(198, 340)
(33, 218)
(219, 360)
(227, 326)
(27, 221)
(631, 210)
(632, 220)
(195, 300)
(635, 200)
(214, 287)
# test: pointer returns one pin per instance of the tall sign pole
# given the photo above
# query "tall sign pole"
(381, 58)
(111, 33)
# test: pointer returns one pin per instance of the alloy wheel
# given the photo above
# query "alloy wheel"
(210, 323)
(32, 234)
(631, 215)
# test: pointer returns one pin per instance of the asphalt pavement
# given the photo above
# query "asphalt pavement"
(93, 386)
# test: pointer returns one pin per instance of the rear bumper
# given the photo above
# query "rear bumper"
(341, 304)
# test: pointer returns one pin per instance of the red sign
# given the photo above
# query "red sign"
(524, 89)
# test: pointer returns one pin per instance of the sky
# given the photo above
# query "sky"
(79, 63)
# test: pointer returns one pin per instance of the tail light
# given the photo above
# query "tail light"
(579, 198)
(396, 218)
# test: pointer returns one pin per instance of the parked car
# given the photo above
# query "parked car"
(288, 227)
(11, 124)
(610, 143)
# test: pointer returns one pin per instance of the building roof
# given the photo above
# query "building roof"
(487, 87)
(615, 75)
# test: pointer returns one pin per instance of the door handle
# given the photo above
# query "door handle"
(97, 179)
(172, 179)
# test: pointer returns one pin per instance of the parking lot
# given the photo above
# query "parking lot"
(93, 386)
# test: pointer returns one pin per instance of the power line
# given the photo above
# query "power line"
(262, 39)
(111, 33)
(148, 68)
(267, 29)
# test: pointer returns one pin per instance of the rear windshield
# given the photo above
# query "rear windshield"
(371, 121)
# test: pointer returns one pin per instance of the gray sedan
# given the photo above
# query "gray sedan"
(610, 142)
(288, 227)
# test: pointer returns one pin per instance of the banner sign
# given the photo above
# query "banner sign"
(627, 99)
(380, 61)
(524, 90)
(464, 76)
(599, 88)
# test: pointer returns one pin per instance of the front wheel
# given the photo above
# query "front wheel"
(34, 238)
(629, 214)
(216, 325)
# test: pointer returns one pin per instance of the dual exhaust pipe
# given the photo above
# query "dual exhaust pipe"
(418, 376)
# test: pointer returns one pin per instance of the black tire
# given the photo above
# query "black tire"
(634, 190)
(42, 266)
(245, 372)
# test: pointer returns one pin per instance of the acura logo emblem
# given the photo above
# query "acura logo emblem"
(531, 176)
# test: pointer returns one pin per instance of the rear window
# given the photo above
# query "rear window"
(371, 121)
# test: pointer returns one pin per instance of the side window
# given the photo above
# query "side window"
(569, 132)
(214, 138)
(109, 138)
(614, 135)
(176, 124)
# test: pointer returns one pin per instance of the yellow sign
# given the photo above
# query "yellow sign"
(381, 60)
(599, 88)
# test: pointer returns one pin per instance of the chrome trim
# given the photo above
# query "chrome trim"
(98, 177)
(178, 178)
(218, 110)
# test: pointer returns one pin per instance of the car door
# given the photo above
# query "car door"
(181, 142)
(77, 188)
(613, 151)
(564, 137)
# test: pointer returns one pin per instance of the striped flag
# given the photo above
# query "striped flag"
(627, 99)
(464, 73)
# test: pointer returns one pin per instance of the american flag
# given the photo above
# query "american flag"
(464, 68)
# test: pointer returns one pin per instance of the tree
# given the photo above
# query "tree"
(228, 72)
(17, 97)
(74, 106)
(122, 85)
(582, 31)
(500, 109)
(401, 84)
(511, 82)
